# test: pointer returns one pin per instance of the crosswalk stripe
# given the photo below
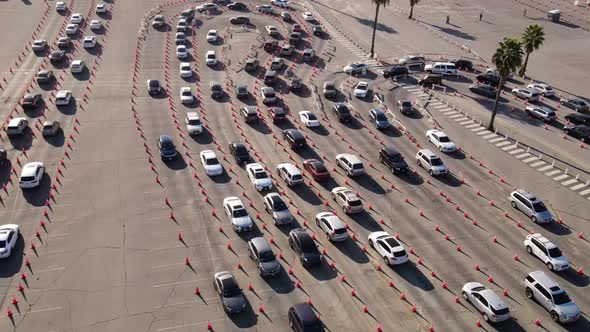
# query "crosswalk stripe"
(520, 156)
(461, 119)
(481, 133)
(569, 182)
(544, 168)
(478, 129)
(528, 160)
(490, 136)
(513, 152)
(501, 144)
(537, 164)
(578, 186)
(561, 177)
(472, 125)
(553, 172)
(454, 116)
(584, 192)
(494, 140)
(463, 123)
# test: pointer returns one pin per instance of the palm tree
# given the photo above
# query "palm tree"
(412, 4)
(532, 38)
(378, 4)
(507, 59)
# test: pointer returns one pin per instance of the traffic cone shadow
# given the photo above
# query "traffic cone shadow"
(190, 266)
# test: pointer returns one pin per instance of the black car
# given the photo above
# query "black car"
(270, 45)
(154, 87)
(166, 147)
(188, 14)
(394, 160)
(317, 30)
(44, 76)
(342, 112)
(270, 77)
(484, 90)
(302, 318)
(576, 104)
(286, 16)
(180, 38)
(239, 151)
(305, 247)
(294, 38)
(251, 64)
(294, 138)
(394, 71)
(236, 6)
(57, 56)
(249, 114)
(64, 42)
(431, 79)
(295, 84)
(578, 131)
(230, 294)
(3, 156)
(31, 100)
(488, 78)
(241, 91)
(463, 64)
(579, 119)
(239, 20)
(216, 90)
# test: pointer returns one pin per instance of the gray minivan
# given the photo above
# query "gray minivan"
(260, 252)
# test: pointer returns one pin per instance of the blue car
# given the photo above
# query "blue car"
(378, 118)
(167, 148)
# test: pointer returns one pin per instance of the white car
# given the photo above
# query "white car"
(89, 41)
(76, 18)
(185, 70)
(440, 140)
(271, 30)
(543, 89)
(356, 67)
(17, 126)
(211, 58)
(331, 224)
(63, 97)
(210, 163)
(31, 175)
(101, 8)
(95, 25)
(258, 177)
(307, 16)
(361, 89)
(212, 36)
(77, 66)
(181, 52)
(60, 6)
(8, 236)
(538, 245)
(186, 95)
(280, 3)
(193, 123)
(388, 247)
(238, 216)
(486, 301)
(309, 119)
(71, 29)
(264, 9)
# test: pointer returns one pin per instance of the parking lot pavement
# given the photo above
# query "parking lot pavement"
(118, 238)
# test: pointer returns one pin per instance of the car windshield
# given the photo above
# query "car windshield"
(186, 93)
(539, 207)
(154, 84)
(167, 145)
(27, 178)
(361, 87)
(436, 162)
(355, 202)
(444, 139)
(279, 206)
(240, 213)
(232, 290)
(319, 168)
(43, 74)
(396, 157)
(357, 166)
(381, 117)
(48, 127)
(2, 244)
(212, 161)
(194, 122)
(216, 88)
(555, 252)
(343, 109)
(311, 116)
(270, 94)
(406, 104)
(499, 312)
(210, 56)
(260, 175)
(561, 298)
(267, 256)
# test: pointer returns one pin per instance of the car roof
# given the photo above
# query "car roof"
(352, 158)
(15, 121)
(63, 93)
(526, 194)
(290, 168)
(267, 89)
(542, 278)
(545, 241)
(390, 150)
(165, 139)
(377, 111)
(234, 202)
(428, 153)
(31, 168)
(261, 244)
(250, 109)
(294, 132)
(305, 313)
(251, 60)
(256, 167)
(208, 154)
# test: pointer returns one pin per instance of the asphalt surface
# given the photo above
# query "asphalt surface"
(117, 239)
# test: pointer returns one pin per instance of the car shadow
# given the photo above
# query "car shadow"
(177, 163)
(38, 196)
(57, 140)
(511, 325)
(581, 325)
(556, 228)
(260, 127)
(83, 76)
(69, 109)
(352, 250)
(450, 180)
(12, 265)
(306, 194)
(308, 153)
(24, 141)
(369, 183)
(5, 173)
(323, 272)
(457, 155)
(49, 86)
(366, 220)
(392, 131)
(458, 79)
(222, 178)
(413, 275)
(572, 276)
(409, 178)
(245, 319)
(281, 283)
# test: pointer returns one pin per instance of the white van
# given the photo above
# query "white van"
(290, 174)
(442, 68)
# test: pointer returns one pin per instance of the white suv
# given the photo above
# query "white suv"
(210, 163)
(238, 216)
(193, 123)
(258, 177)
(31, 175)
(537, 245)
(431, 162)
(541, 288)
(530, 205)
(388, 247)
(347, 199)
(331, 225)
(486, 301)
(351, 164)
(442, 68)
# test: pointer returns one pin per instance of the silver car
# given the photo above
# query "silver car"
(486, 301)
(274, 204)
(330, 224)
(539, 287)
(260, 252)
(528, 204)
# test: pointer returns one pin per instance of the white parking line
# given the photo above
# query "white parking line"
(461, 119)
(544, 168)
(482, 132)
(52, 269)
(528, 160)
(503, 143)
(472, 125)
(578, 186)
(537, 164)
(175, 283)
(553, 172)
(569, 182)
(585, 192)
(561, 177)
(43, 310)
(477, 129)
(494, 140)
(492, 135)
(520, 156)
(513, 152)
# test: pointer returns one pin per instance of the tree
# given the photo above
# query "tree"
(412, 4)
(532, 38)
(378, 4)
(507, 59)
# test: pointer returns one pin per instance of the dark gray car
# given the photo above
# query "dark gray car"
(260, 252)
(44, 76)
(231, 295)
(576, 104)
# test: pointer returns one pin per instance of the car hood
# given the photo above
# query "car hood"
(281, 215)
(312, 122)
(439, 168)
(569, 309)
(448, 145)
(213, 168)
(242, 221)
(234, 303)
(269, 266)
(546, 215)
(561, 260)
(262, 182)
(194, 127)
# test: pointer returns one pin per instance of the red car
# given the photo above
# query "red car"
(277, 114)
(317, 169)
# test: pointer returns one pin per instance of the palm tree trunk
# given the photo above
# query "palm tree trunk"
(496, 102)
(374, 30)
(411, 12)
(526, 61)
